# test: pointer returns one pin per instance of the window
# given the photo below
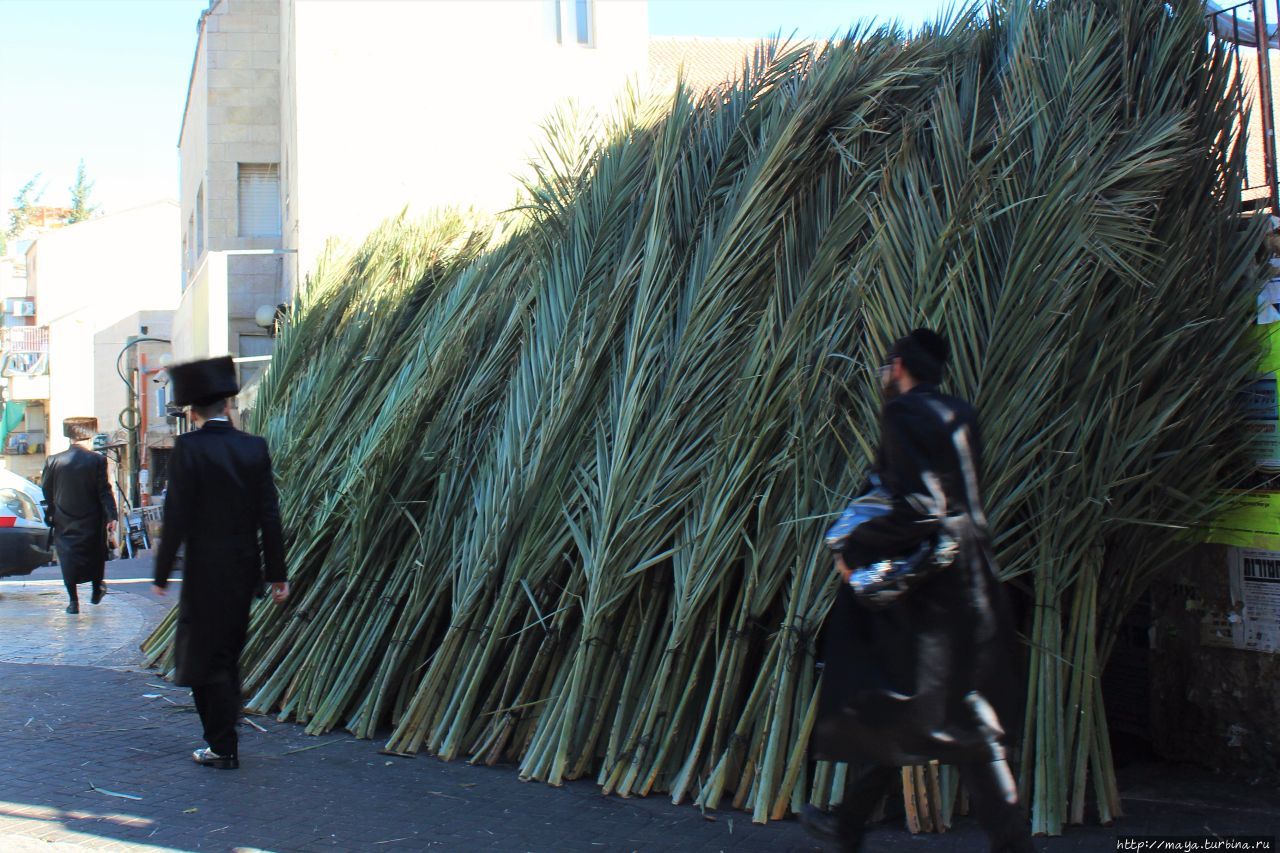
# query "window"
(582, 18)
(191, 243)
(20, 505)
(200, 222)
(571, 21)
(553, 20)
(162, 403)
(259, 199)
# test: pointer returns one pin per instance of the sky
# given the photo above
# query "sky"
(105, 80)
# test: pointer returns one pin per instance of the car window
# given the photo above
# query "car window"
(14, 502)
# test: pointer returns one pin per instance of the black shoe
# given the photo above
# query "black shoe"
(99, 590)
(819, 824)
(829, 830)
(209, 758)
(73, 608)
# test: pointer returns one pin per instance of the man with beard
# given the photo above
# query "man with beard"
(221, 499)
(80, 510)
(919, 655)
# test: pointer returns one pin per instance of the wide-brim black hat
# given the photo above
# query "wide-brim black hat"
(199, 383)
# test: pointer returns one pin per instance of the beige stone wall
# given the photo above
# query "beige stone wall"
(395, 104)
(192, 153)
(289, 187)
(234, 112)
(243, 43)
(255, 282)
(430, 104)
(232, 116)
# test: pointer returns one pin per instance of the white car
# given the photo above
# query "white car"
(24, 536)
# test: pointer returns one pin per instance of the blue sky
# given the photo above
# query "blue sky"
(105, 80)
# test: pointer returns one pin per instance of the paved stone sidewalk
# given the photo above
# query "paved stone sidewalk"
(94, 757)
(105, 634)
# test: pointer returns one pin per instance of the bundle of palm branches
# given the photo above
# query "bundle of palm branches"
(556, 484)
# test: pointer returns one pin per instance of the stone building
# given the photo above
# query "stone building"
(310, 121)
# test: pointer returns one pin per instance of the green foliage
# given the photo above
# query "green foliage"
(556, 486)
(81, 209)
(26, 198)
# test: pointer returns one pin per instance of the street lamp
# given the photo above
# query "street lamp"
(269, 316)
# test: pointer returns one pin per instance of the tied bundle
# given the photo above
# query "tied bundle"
(556, 486)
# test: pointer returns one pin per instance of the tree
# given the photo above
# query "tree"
(26, 198)
(80, 207)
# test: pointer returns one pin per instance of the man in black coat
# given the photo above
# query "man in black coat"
(924, 669)
(222, 506)
(80, 510)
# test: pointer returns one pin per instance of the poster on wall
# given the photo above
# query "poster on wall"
(1254, 618)
(1256, 585)
(1252, 518)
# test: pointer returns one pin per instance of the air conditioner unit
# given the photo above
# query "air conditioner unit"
(20, 307)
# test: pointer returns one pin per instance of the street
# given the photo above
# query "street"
(94, 755)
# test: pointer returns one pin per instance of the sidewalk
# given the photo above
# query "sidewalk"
(93, 755)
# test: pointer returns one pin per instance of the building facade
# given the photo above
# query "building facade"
(309, 122)
(93, 286)
(390, 106)
(312, 120)
(229, 153)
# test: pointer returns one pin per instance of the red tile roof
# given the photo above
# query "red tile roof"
(705, 62)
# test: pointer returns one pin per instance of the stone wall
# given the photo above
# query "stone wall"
(1210, 704)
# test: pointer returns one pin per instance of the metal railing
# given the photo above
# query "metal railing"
(25, 339)
(24, 350)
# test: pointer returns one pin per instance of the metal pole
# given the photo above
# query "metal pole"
(1265, 104)
(140, 379)
(132, 406)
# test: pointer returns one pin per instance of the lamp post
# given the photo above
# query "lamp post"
(270, 316)
(129, 416)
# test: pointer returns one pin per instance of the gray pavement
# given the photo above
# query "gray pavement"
(105, 634)
(93, 755)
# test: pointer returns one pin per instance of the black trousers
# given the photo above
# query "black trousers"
(219, 704)
(69, 581)
(73, 572)
(992, 796)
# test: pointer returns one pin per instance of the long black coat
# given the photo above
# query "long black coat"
(78, 505)
(933, 675)
(221, 498)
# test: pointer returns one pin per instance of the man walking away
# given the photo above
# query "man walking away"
(222, 506)
(920, 658)
(80, 510)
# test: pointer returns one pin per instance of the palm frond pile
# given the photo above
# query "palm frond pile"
(556, 493)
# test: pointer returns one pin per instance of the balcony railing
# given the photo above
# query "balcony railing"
(24, 350)
(25, 339)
